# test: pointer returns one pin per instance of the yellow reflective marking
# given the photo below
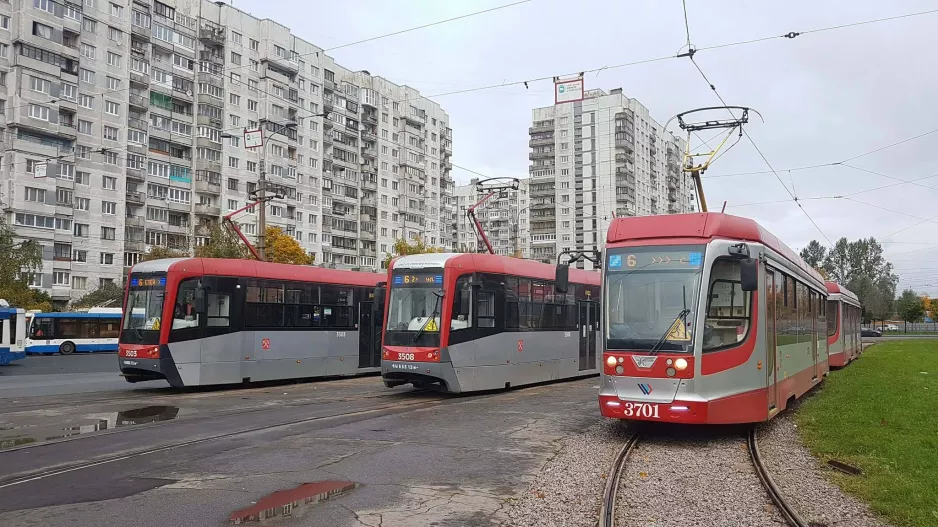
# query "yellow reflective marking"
(431, 326)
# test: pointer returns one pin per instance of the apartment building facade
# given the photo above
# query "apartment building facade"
(123, 126)
(504, 218)
(596, 159)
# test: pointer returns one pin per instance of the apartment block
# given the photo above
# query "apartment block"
(596, 159)
(504, 218)
(124, 130)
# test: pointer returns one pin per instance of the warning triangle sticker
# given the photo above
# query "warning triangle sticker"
(678, 331)
(431, 326)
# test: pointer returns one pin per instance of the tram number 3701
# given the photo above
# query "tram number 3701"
(641, 410)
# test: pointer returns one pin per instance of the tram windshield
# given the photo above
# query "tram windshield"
(141, 320)
(651, 297)
(415, 306)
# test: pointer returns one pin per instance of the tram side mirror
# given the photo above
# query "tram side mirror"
(749, 274)
(379, 295)
(562, 278)
(200, 298)
(740, 250)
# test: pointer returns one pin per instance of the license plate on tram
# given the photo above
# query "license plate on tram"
(646, 410)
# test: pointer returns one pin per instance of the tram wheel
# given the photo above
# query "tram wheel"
(67, 348)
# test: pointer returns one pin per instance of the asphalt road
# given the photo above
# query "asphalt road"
(411, 458)
(55, 375)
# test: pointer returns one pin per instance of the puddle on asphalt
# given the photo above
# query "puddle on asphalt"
(13, 437)
(282, 502)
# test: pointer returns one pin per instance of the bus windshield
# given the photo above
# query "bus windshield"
(144, 308)
(651, 297)
(414, 309)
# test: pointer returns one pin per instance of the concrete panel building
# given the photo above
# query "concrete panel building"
(504, 219)
(123, 129)
(595, 159)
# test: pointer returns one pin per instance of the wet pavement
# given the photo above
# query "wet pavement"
(340, 453)
(58, 375)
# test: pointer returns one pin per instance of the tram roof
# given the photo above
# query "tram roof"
(492, 263)
(835, 288)
(256, 269)
(702, 225)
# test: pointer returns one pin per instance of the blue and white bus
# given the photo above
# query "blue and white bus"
(12, 333)
(65, 333)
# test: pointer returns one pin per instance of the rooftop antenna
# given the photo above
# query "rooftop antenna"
(691, 124)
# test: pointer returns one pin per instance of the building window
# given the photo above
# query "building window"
(108, 233)
(108, 207)
(109, 183)
(113, 59)
(60, 278)
(112, 108)
(110, 133)
(87, 51)
(38, 112)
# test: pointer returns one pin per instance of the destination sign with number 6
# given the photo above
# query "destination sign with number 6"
(418, 279)
(634, 259)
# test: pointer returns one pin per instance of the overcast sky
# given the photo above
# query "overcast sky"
(825, 97)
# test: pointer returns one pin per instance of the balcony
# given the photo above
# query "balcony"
(329, 85)
(136, 173)
(543, 154)
(368, 135)
(625, 144)
(415, 121)
(135, 197)
(541, 128)
(207, 187)
(134, 221)
(207, 210)
(138, 124)
(206, 164)
(135, 246)
(212, 35)
(371, 118)
(142, 32)
(139, 78)
(369, 152)
(140, 101)
(541, 141)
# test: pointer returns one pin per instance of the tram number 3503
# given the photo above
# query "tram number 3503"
(641, 410)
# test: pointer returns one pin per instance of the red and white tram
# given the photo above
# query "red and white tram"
(195, 321)
(708, 318)
(469, 322)
(844, 315)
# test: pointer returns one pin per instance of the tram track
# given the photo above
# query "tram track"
(607, 511)
(82, 465)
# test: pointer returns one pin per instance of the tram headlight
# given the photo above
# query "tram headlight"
(611, 361)
(680, 364)
(620, 370)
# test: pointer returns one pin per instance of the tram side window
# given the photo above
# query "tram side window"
(831, 317)
(485, 306)
(462, 315)
(184, 313)
(218, 313)
(728, 307)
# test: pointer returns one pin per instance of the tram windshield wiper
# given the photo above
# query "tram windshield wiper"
(436, 311)
(682, 316)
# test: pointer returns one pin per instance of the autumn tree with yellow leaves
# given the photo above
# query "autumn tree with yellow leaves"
(283, 248)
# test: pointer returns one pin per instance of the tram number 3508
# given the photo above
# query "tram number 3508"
(641, 410)
(404, 356)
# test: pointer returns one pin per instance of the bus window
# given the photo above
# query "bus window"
(109, 329)
(42, 328)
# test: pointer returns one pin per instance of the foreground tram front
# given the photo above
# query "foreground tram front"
(683, 337)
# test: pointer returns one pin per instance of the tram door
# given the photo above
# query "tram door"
(369, 336)
(586, 325)
(772, 297)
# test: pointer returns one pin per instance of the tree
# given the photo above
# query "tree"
(107, 293)
(910, 307)
(158, 253)
(21, 259)
(861, 267)
(283, 248)
(222, 243)
(814, 254)
(403, 248)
